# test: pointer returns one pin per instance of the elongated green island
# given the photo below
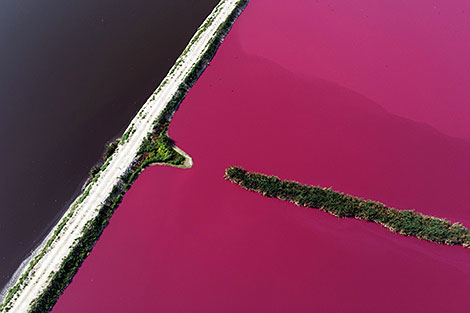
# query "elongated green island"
(405, 222)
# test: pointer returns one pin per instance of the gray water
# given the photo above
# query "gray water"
(72, 76)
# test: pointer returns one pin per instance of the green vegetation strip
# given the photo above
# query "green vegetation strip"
(405, 222)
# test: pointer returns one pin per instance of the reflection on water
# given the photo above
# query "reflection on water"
(73, 74)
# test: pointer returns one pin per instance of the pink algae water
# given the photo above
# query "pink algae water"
(294, 91)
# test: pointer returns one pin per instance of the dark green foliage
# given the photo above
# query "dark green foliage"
(127, 134)
(106, 155)
(405, 222)
(160, 151)
(94, 170)
(110, 149)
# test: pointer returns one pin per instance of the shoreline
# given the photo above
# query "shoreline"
(34, 290)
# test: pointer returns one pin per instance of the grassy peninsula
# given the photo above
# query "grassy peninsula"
(405, 222)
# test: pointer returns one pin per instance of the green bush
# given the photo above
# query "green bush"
(95, 170)
(110, 149)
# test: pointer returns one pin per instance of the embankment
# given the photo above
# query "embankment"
(64, 249)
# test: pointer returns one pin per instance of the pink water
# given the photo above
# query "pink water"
(187, 241)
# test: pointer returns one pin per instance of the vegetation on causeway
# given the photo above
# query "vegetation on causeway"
(159, 148)
(156, 148)
(405, 222)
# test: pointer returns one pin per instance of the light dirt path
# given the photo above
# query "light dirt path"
(38, 277)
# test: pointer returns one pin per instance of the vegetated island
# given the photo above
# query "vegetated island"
(405, 222)
(145, 142)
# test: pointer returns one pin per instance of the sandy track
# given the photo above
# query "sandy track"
(39, 277)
